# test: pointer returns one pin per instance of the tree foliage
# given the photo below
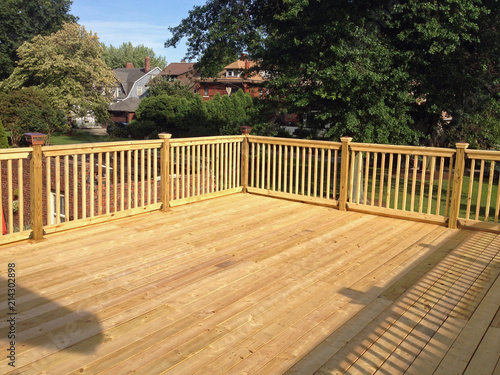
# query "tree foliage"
(118, 57)
(30, 110)
(4, 141)
(21, 20)
(381, 71)
(69, 68)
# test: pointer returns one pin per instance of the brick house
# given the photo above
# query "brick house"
(232, 79)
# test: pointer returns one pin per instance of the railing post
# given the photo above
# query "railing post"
(245, 151)
(164, 171)
(36, 141)
(344, 173)
(458, 178)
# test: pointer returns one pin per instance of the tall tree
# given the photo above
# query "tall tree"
(69, 68)
(21, 20)
(118, 57)
(377, 70)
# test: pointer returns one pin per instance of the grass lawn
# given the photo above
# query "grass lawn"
(81, 137)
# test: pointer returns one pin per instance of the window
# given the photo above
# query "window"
(139, 90)
(53, 209)
(205, 91)
(230, 73)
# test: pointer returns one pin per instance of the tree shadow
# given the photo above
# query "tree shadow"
(43, 327)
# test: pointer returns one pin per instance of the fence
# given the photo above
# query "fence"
(47, 189)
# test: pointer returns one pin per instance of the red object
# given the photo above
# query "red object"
(4, 227)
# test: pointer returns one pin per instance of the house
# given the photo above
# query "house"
(233, 78)
(183, 72)
(131, 89)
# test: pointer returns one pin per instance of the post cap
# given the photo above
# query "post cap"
(346, 139)
(165, 135)
(462, 145)
(35, 138)
(245, 129)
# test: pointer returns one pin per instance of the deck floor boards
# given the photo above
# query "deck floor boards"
(255, 285)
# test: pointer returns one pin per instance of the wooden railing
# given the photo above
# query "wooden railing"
(72, 186)
(480, 198)
(411, 182)
(307, 171)
(14, 165)
(202, 168)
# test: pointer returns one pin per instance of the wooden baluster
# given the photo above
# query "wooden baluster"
(374, 177)
(431, 184)
(490, 189)
(497, 208)
(303, 170)
(143, 178)
(440, 186)
(48, 188)
(405, 182)
(149, 177)
(155, 175)
(389, 181)
(414, 183)
(20, 194)
(129, 179)
(107, 187)
(91, 187)
(479, 190)
(335, 173)
(75, 187)
(382, 181)
(10, 199)
(322, 174)
(122, 180)
(398, 177)
(136, 178)
(423, 177)
(309, 171)
(58, 190)
(329, 174)
(471, 184)
(99, 183)
(448, 190)
(367, 176)
(285, 168)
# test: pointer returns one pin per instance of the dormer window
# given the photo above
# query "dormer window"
(230, 73)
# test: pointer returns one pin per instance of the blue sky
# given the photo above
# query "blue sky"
(138, 22)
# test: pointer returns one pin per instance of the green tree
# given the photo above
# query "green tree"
(178, 115)
(30, 110)
(376, 70)
(118, 57)
(4, 141)
(159, 86)
(69, 68)
(21, 20)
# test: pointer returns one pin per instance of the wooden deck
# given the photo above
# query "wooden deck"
(252, 285)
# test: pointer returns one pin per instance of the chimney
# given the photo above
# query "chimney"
(147, 64)
(243, 57)
(129, 65)
(247, 64)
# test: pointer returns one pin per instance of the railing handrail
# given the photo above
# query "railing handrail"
(483, 154)
(407, 150)
(295, 142)
(205, 140)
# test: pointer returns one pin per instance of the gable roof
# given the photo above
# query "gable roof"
(127, 105)
(176, 69)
